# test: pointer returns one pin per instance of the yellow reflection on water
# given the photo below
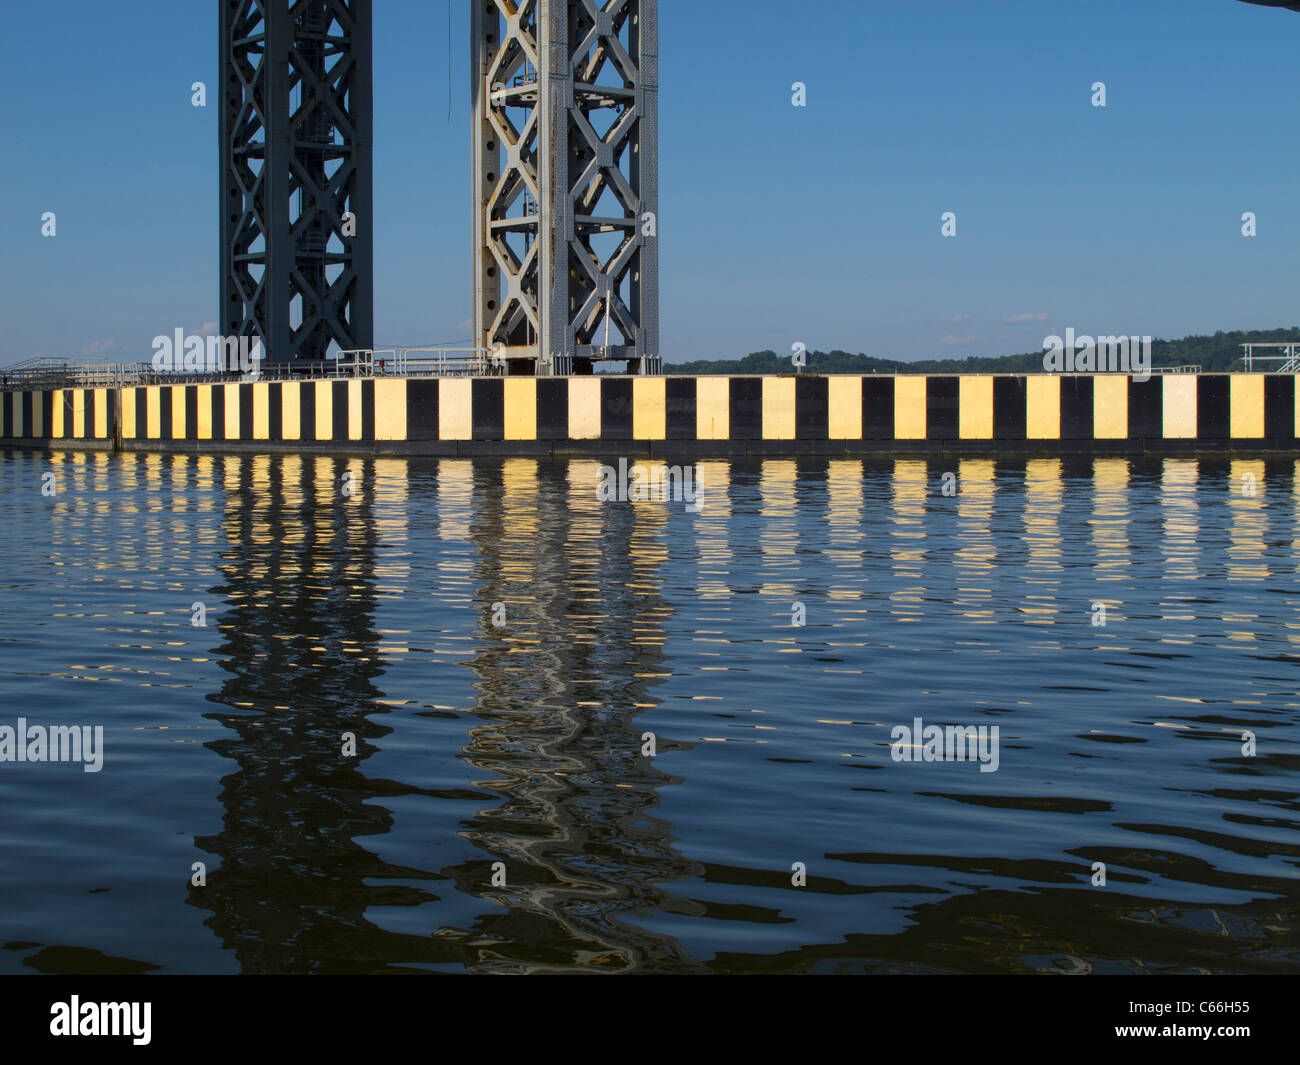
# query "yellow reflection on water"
(455, 498)
(1180, 535)
(1110, 521)
(907, 535)
(586, 530)
(976, 553)
(1044, 501)
(848, 529)
(1247, 532)
(779, 542)
(1248, 521)
(712, 530)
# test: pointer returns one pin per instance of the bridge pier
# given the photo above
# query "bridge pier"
(565, 124)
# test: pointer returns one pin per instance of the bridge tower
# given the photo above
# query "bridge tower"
(565, 126)
(297, 184)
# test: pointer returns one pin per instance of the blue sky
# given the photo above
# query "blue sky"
(819, 225)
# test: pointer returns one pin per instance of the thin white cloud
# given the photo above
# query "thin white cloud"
(957, 340)
(98, 347)
(1011, 319)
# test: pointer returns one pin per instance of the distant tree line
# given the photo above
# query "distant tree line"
(1219, 353)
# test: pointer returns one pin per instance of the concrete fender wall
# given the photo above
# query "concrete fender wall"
(697, 414)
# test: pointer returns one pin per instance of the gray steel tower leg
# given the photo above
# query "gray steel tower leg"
(297, 183)
(566, 133)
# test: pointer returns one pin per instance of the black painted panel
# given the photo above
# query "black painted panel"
(1010, 408)
(683, 409)
(488, 409)
(746, 408)
(942, 408)
(811, 408)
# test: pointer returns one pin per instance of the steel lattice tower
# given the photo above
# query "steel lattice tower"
(297, 116)
(565, 119)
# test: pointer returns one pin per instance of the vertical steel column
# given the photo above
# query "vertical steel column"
(555, 89)
(297, 189)
(645, 178)
(566, 183)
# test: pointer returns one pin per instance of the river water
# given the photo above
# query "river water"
(370, 715)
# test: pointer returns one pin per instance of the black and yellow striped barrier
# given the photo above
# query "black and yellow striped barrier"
(697, 414)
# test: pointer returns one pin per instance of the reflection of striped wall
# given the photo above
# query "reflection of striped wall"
(709, 413)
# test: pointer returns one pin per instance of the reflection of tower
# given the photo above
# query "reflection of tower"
(299, 644)
(560, 686)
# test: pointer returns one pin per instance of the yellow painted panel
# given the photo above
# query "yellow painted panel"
(231, 416)
(1180, 406)
(100, 428)
(1110, 407)
(649, 408)
(1043, 407)
(584, 408)
(975, 408)
(713, 408)
(178, 411)
(78, 412)
(324, 409)
(1247, 406)
(38, 414)
(62, 403)
(290, 410)
(203, 412)
(152, 413)
(455, 409)
(909, 407)
(844, 408)
(778, 408)
(128, 415)
(354, 410)
(261, 411)
(521, 408)
(390, 410)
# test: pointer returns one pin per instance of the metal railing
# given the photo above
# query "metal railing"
(1288, 361)
(47, 373)
(446, 362)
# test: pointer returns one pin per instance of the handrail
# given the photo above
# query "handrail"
(1289, 359)
(46, 372)
(444, 362)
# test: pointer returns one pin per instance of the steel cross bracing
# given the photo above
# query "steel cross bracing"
(297, 226)
(565, 113)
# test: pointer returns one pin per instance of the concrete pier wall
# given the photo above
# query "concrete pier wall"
(661, 415)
